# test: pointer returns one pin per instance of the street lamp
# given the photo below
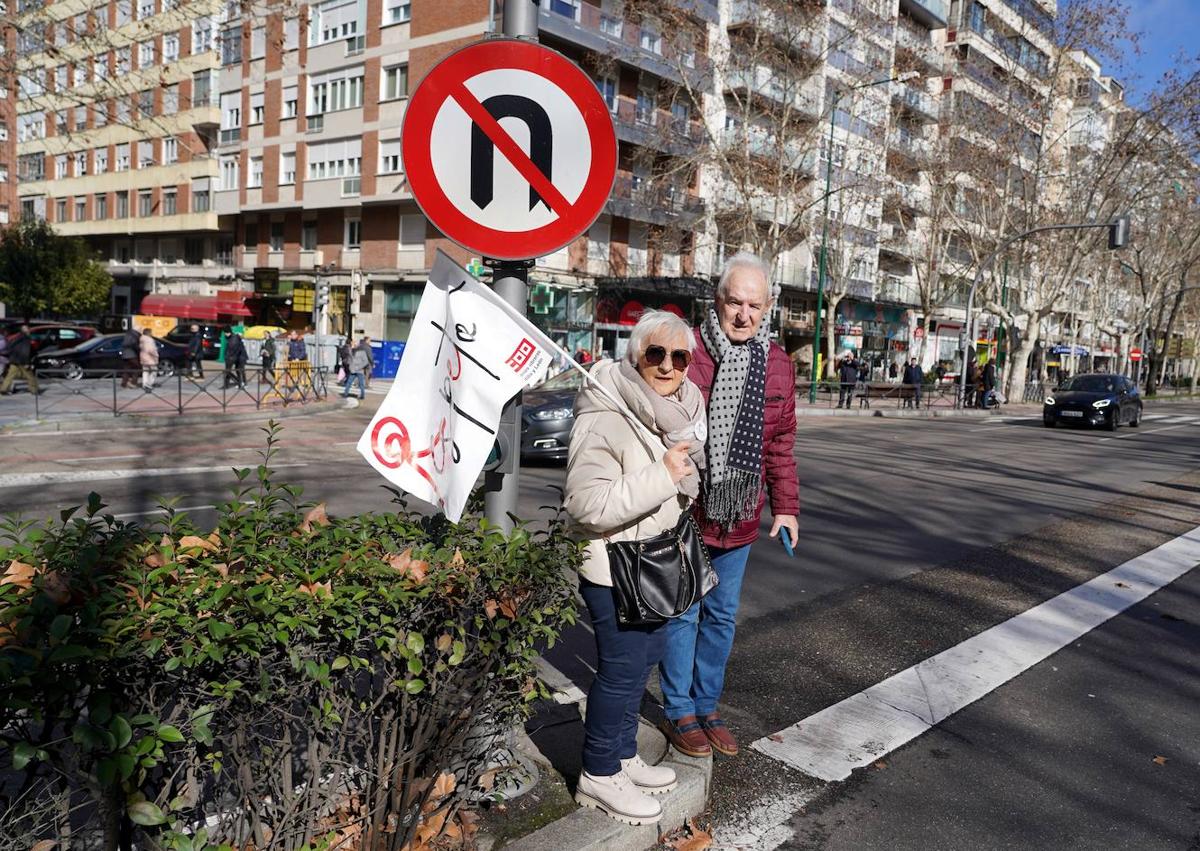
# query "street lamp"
(837, 95)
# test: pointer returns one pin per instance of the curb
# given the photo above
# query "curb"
(896, 413)
(142, 421)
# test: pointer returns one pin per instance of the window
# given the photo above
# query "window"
(389, 156)
(308, 236)
(258, 42)
(256, 173)
(79, 25)
(170, 47)
(287, 167)
(170, 199)
(277, 236)
(60, 123)
(566, 8)
(145, 9)
(650, 40)
(645, 107)
(353, 233)
(338, 158)
(611, 24)
(334, 90)
(291, 34)
(412, 232)
(31, 167)
(145, 204)
(60, 210)
(124, 12)
(3, 174)
(29, 208)
(145, 153)
(231, 45)
(256, 107)
(333, 20)
(146, 54)
(170, 147)
(60, 167)
(395, 82)
(80, 117)
(145, 102)
(81, 209)
(79, 75)
(203, 91)
(30, 126)
(80, 163)
(200, 195)
(61, 75)
(229, 173)
(100, 158)
(231, 117)
(100, 67)
(123, 204)
(608, 91)
(124, 60)
(681, 116)
(123, 157)
(250, 236)
(124, 111)
(202, 35)
(289, 101)
(396, 11)
(170, 99)
(101, 206)
(100, 114)
(30, 86)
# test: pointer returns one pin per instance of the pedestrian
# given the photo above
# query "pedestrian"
(749, 389)
(989, 382)
(621, 486)
(893, 371)
(364, 345)
(19, 358)
(359, 362)
(940, 371)
(847, 377)
(345, 351)
(296, 348)
(913, 375)
(267, 353)
(3, 354)
(235, 359)
(972, 379)
(195, 353)
(131, 357)
(148, 358)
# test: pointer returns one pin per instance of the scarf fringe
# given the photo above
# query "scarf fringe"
(733, 499)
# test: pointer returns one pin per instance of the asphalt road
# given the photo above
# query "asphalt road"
(915, 534)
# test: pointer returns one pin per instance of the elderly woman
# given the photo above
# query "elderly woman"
(623, 485)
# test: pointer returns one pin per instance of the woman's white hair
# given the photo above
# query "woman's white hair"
(746, 260)
(652, 321)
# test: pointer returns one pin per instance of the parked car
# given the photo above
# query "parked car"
(1095, 399)
(181, 335)
(44, 335)
(103, 354)
(547, 416)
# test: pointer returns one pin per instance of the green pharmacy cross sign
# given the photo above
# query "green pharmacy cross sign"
(541, 299)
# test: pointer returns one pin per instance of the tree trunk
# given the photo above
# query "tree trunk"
(1019, 371)
(831, 303)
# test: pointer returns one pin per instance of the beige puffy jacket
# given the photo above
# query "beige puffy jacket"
(617, 485)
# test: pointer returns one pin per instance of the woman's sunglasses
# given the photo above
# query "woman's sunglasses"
(680, 358)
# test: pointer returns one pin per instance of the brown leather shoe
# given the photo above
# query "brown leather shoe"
(718, 735)
(686, 736)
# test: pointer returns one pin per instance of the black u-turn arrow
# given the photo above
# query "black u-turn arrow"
(541, 145)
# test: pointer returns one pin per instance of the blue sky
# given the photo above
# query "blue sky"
(1167, 27)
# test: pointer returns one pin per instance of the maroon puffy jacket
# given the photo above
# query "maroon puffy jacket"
(779, 438)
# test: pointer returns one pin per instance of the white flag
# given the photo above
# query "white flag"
(468, 354)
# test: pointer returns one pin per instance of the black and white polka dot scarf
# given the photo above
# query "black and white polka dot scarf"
(735, 423)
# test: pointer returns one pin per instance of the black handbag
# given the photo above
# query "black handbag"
(660, 578)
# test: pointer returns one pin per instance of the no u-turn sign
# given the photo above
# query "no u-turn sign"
(509, 149)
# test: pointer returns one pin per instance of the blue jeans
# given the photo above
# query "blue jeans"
(626, 656)
(699, 641)
(362, 384)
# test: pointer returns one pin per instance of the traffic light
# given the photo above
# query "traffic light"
(1118, 233)
(322, 295)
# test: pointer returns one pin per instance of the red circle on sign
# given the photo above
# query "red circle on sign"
(631, 313)
(672, 308)
(446, 81)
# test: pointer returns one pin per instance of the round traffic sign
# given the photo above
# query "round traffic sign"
(509, 149)
(1135, 354)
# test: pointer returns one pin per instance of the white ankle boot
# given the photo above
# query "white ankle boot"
(619, 797)
(651, 779)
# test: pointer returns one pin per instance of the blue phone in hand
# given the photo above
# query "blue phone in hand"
(785, 535)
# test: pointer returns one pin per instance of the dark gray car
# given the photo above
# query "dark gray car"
(548, 416)
(1095, 399)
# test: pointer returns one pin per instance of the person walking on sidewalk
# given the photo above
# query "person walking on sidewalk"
(749, 386)
(195, 354)
(364, 345)
(3, 355)
(148, 357)
(622, 486)
(913, 375)
(20, 358)
(359, 361)
(847, 378)
(267, 354)
(235, 359)
(131, 349)
(972, 380)
(989, 383)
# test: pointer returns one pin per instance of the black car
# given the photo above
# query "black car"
(548, 415)
(210, 338)
(1096, 399)
(103, 354)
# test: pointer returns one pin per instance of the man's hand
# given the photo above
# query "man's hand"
(792, 524)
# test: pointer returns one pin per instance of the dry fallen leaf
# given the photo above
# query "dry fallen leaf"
(154, 560)
(406, 565)
(1159, 760)
(19, 573)
(188, 542)
(488, 779)
(691, 838)
(458, 560)
(508, 605)
(44, 845)
(881, 764)
(315, 517)
(469, 822)
(490, 607)
(444, 642)
(443, 786)
(318, 589)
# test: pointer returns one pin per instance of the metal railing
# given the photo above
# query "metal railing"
(891, 394)
(122, 392)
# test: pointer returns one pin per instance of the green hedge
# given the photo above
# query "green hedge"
(288, 680)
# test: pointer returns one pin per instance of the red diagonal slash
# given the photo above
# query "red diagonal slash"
(511, 150)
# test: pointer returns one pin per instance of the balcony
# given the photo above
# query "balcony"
(205, 119)
(917, 41)
(913, 147)
(764, 83)
(904, 197)
(897, 291)
(930, 13)
(656, 129)
(762, 146)
(659, 203)
(752, 13)
(917, 103)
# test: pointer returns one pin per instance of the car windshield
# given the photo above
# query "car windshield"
(1092, 384)
(88, 345)
(568, 379)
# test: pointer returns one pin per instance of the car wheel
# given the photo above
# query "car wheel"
(1114, 420)
(1137, 418)
(1047, 422)
(73, 372)
(166, 369)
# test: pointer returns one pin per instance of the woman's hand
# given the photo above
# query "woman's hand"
(677, 462)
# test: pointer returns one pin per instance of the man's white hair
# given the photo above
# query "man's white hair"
(746, 260)
(652, 321)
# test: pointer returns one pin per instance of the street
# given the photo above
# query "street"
(916, 535)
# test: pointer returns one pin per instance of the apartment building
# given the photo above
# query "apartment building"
(8, 124)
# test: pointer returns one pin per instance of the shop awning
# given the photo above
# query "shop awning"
(224, 304)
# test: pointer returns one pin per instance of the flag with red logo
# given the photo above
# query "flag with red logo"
(468, 353)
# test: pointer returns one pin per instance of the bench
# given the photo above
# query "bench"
(884, 391)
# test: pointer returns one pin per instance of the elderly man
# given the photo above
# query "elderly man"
(748, 383)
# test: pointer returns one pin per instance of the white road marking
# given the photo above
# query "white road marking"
(764, 827)
(15, 480)
(1136, 433)
(1180, 420)
(866, 726)
(59, 434)
(1151, 417)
